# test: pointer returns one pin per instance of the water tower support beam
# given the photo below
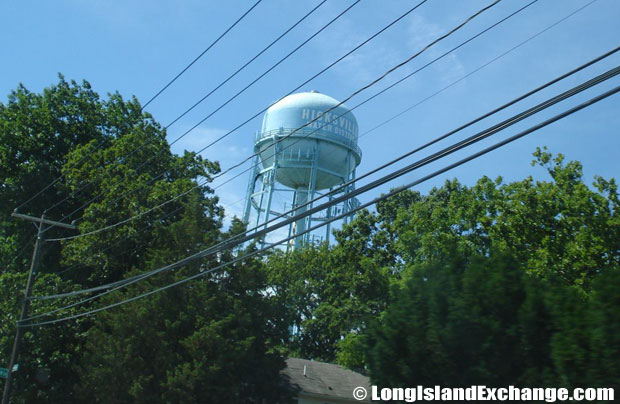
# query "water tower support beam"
(290, 226)
(259, 210)
(349, 203)
(301, 197)
(272, 179)
(328, 215)
(312, 184)
(251, 186)
(345, 206)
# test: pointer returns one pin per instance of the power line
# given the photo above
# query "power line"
(265, 109)
(142, 244)
(363, 206)
(309, 122)
(214, 111)
(342, 186)
(443, 153)
(201, 54)
(151, 224)
(234, 241)
(374, 96)
(479, 68)
(250, 61)
(370, 98)
(359, 178)
(446, 135)
(366, 86)
(148, 102)
(459, 145)
(502, 125)
(77, 191)
(310, 79)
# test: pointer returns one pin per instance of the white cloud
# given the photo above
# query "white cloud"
(196, 139)
(388, 50)
(423, 32)
(238, 152)
(232, 202)
(225, 151)
(367, 62)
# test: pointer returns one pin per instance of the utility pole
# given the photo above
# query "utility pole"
(26, 301)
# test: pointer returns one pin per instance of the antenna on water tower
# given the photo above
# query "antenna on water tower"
(318, 157)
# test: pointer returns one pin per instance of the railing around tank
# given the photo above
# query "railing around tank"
(311, 134)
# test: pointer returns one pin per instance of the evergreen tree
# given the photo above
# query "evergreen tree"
(470, 320)
(208, 341)
(48, 354)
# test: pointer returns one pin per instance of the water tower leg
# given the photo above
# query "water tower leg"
(250, 191)
(328, 215)
(345, 204)
(349, 203)
(259, 207)
(312, 186)
(271, 179)
(292, 225)
(300, 225)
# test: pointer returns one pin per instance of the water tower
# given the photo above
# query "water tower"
(294, 165)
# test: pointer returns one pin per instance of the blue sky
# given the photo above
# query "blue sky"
(135, 47)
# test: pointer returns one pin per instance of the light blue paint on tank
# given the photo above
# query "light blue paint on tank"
(329, 143)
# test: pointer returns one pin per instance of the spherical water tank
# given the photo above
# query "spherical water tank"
(329, 142)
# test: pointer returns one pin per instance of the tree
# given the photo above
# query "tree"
(133, 174)
(559, 228)
(497, 283)
(47, 357)
(604, 330)
(100, 149)
(452, 323)
(464, 320)
(37, 131)
(115, 163)
(325, 294)
(211, 340)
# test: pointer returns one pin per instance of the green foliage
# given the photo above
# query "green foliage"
(452, 322)
(201, 343)
(325, 293)
(208, 341)
(461, 321)
(102, 149)
(37, 132)
(131, 165)
(497, 283)
(492, 283)
(48, 354)
(604, 330)
(559, 228)
(352, 351)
